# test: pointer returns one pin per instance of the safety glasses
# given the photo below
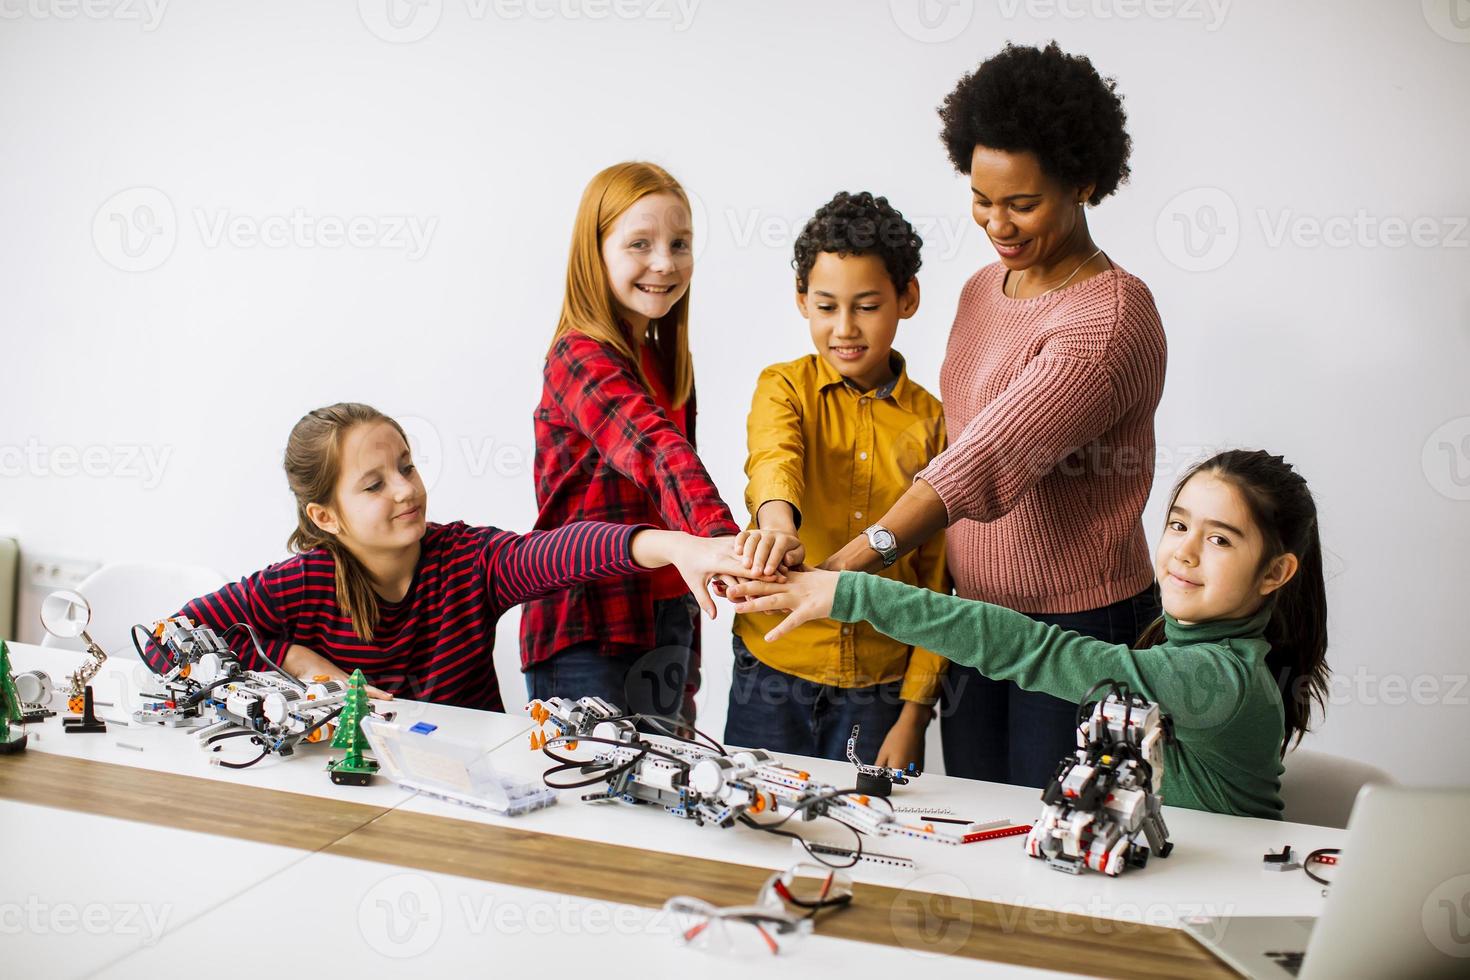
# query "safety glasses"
(781, 917)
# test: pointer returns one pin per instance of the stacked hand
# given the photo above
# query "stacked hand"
(704, 563)
(763, 555)
(805, 595)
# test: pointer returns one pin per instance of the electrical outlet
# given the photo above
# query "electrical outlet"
(51, 572)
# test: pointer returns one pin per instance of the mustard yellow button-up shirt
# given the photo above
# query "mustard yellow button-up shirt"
(842, 457)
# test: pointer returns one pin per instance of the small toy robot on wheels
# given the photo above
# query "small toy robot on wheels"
(1106, 794)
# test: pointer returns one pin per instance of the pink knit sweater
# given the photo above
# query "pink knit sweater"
(1050, 405)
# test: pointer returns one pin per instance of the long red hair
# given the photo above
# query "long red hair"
(588, 307)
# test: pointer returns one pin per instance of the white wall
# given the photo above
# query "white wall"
(1350, 359)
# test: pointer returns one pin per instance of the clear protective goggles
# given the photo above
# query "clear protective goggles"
(780, 918)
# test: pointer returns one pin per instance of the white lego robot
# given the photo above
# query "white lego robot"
(709, 785)
(206, 685)
(1106, 794)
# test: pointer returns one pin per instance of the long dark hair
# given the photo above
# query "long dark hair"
(1282, 507)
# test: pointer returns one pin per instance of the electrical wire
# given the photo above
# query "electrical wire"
(658, 722)
(295, 682)
(319, 724)
(775, 828)
(133, 635)
(204, 692)
(221, 736)
(244, 765)
(1320, 852)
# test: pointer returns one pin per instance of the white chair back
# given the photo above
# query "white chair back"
(1319, 788)
(124, 593)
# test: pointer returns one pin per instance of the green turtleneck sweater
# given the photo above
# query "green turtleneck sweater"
(1210, 677)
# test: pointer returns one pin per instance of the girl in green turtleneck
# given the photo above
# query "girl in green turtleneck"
(1237, 658)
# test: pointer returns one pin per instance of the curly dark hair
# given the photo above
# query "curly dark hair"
(1047, 102)
(859, 224)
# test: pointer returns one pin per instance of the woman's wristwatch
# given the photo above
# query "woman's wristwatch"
(881, 540)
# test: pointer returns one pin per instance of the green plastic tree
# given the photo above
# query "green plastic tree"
(353, 769)
(10, 710)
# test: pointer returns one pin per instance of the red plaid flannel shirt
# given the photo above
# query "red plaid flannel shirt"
(605, 451)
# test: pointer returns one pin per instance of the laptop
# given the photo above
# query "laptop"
(1398, 906)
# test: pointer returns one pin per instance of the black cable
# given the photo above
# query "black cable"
(203, 692)
(245, 765)
(133, 635)
(1320, 852)
(605, 771)
(643, 747)
(774, 828)
(221, 736)
(319, 724)
(601, 773)
(295, 682)
(658, 722)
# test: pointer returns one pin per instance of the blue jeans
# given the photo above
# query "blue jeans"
(771, 709)
(650, 683)
(995, 731)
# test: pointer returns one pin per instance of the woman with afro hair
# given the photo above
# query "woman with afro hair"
(1053, 370)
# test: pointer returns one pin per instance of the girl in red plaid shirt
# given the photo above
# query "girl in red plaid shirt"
(615, 442)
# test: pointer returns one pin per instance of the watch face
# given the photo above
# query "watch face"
(882, 540)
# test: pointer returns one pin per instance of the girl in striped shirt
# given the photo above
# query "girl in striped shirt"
(413, 604)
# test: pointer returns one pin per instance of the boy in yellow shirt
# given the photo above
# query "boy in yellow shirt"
(835, 438)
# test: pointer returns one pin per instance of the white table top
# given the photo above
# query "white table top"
(389, 921)
(1215, 867)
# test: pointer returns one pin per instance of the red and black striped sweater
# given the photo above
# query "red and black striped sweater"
(436, 643)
